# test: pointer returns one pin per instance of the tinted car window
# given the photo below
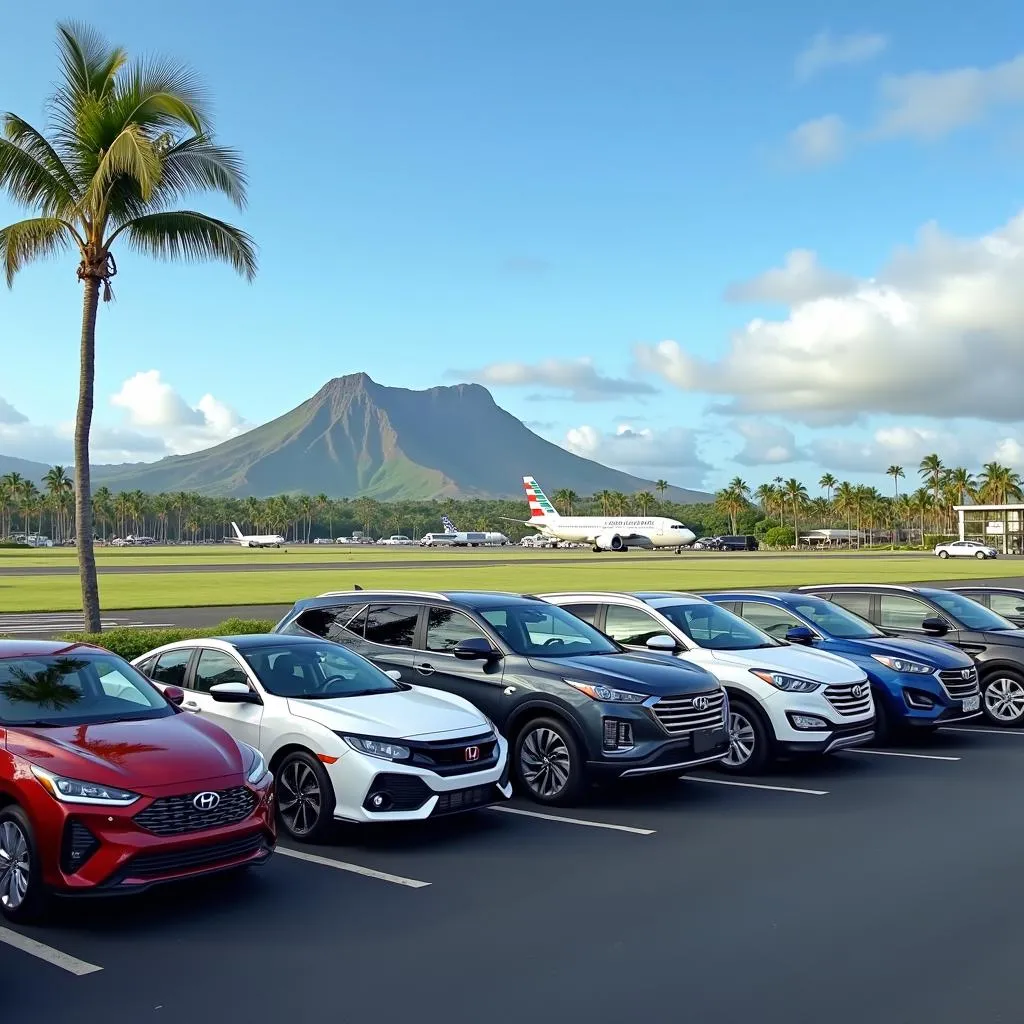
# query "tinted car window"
(586, 612)
(311, 672)
(835, 620)
(900, 612)
(170, 667)
(970, 613)
(393, 625)
(217, 667)
(712, 627)
(774, 621)
(630, 626)
(447, 627)
(336, 624)
(543, 630)
(859, 604)
(1006, 604)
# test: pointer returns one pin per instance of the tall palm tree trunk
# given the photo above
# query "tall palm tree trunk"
(83, 483)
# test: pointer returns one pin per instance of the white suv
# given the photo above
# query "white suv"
(965, 549)
(783, 698)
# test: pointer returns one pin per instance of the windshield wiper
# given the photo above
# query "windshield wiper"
(34, 724)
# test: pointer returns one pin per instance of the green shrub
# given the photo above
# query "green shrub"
(780, 537)
(132, 643)
(12, 544)
(931, 539)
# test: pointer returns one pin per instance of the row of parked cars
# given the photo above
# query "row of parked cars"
(368, 706)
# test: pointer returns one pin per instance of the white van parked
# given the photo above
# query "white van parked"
(783, 698)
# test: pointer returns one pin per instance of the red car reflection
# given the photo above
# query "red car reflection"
(106, 787)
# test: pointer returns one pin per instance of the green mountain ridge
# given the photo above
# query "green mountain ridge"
(357, 438)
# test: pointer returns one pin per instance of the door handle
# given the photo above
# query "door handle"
(425, 669)
(191, 705)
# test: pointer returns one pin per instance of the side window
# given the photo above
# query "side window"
(630, 626)
(1007, 605)
(393, 625)
(859, 604)
(446, 627)
(586, 612)
(170, 667)
(338, 625)
(900, 612)
(774, 621)
(217, 667)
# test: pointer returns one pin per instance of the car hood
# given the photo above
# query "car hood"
(418, 712)
(656, 674)
(153, 752)
(800, 661)
(938, 654)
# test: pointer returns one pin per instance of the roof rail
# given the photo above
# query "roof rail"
(386, 592)
(859, 586)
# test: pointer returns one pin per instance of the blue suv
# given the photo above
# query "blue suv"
(919, 684)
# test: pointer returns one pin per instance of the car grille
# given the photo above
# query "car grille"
(401, 792)
(958, 687)
(465, 799)
(678, 715)
(178, 815)
(192, 858)
(448, 757)
(846, 701)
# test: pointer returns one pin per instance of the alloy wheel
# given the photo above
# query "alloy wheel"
(299, 799)
(545, 762)
(14, 865)
(1004, 699)
(742, 739)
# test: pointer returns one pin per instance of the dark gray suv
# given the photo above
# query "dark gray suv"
(575, 705)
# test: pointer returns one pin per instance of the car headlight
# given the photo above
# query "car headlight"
(784, 681)
(75, 791)
(385, 749)
(607, 693)
(258, 768)
(916, 668)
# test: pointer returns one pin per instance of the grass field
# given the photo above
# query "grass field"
(202, 589)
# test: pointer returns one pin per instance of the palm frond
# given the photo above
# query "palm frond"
(29, 183)
(131, 155)
(33, 142)
(31, 240)
(89, 64)
(159, 94)
(192, 237)
(198, 165)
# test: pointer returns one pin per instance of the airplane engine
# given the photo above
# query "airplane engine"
(608, 542)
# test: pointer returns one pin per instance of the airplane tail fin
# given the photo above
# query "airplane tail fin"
(238, 532)
(449, 526)
(540, 507)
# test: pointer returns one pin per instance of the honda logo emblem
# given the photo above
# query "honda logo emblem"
(700, 703)
(967, 673)
(472, 753)
(206, 801)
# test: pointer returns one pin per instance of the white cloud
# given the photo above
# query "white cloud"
(821, 141)
(766, 444)
(937, 333)
(578, 378)
(631, 449)
(826, 51)
(799, 279)
(9, 415)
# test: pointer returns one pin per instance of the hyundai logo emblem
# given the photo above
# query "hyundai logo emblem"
(967, 672)
(700, 703)
(472, 753)
(206, 801)
(858, 691)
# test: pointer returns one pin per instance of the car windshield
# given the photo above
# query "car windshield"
(316, 672)
(76, 688)
(835, 621)
(546, 631)
(714, 628)
(969, 613)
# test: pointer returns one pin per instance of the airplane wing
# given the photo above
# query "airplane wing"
(627, 537)
(521, 522)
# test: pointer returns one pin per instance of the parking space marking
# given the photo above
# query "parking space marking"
(984, 732)
(575, 821)
(355, 869)
(900, 753)
(754, 785)
(64, 961)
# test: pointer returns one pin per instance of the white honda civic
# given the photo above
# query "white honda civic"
(344, 740)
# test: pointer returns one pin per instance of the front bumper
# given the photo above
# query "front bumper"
(838, 738)
(685, 753)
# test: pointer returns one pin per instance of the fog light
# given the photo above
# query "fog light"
(617, 735)
(808, 722)
(918, 700)
(380, 801)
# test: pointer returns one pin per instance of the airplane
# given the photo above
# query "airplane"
(459, 538)
(262, 540)
(605, 533)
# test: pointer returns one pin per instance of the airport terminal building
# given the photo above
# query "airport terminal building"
(999, 526)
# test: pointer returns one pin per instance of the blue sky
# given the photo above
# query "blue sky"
(503, 191)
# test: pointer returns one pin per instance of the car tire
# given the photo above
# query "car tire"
(981, 555)
(305, 798)
(548, 762)
(751, 743)
(1002, 698)
(943, 554)
(21, 875)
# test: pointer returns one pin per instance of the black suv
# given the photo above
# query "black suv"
(731, 542)
(1005, 601)
(995, 643)
(574, 704)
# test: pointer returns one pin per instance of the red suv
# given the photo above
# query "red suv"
(107, 787)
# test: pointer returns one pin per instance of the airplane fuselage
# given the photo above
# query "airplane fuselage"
(633, 531)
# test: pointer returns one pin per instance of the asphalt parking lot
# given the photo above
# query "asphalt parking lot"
(873, 885)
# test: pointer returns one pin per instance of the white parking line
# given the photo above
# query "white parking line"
(754, 785)
(986, 732)
(53, 956)
(356, 869)
(575, 821)
(900, 753)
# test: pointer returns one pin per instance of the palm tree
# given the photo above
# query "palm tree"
(827, 483)
(643, 501)
(931, 470)
(897, 474)
(126, 142)
(964, 482)
(661, 486)
(796, 494)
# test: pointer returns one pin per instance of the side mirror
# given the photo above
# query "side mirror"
(175, 695)
(935, 626)
(234, 693)
(476, 648)
(662, 642)
(393, 673)
(800, 635)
